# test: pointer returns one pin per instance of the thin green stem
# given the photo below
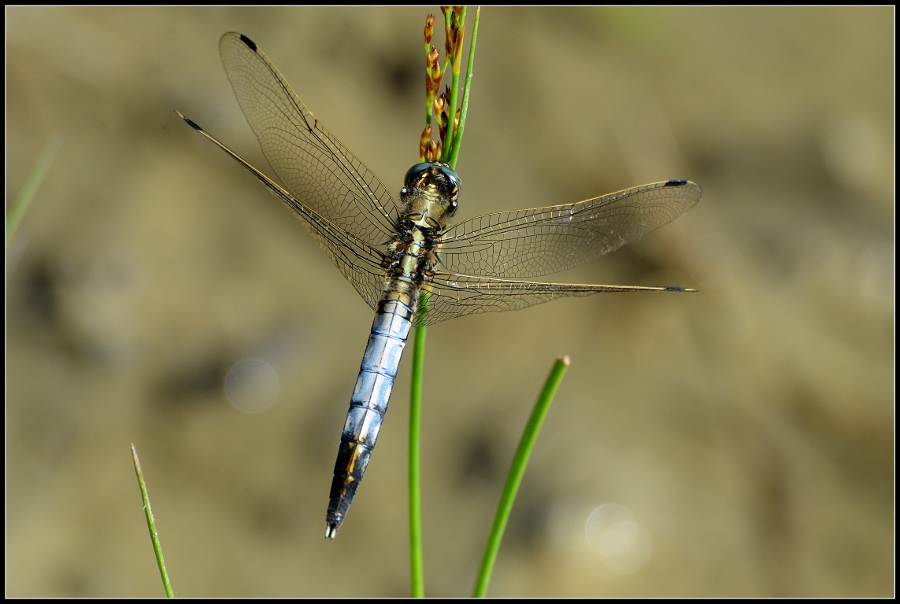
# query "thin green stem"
(416, 564)
(151, 524)
(417, 575)
(457, 141)
(454, 83)
(447, 19)
(30, 186)
(516, 471)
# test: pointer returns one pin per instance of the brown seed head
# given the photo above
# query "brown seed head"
(429, 29)
(423, 142)
(433, 71)
(432, 151)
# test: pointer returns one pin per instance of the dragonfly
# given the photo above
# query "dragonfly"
(401, 255)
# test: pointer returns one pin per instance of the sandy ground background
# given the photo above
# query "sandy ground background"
(734, 442)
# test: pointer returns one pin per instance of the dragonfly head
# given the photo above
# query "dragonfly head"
(431, 193)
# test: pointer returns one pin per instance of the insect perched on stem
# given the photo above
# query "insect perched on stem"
(398, 252)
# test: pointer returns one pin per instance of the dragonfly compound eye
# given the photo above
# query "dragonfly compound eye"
(414, 175)
(452, 184)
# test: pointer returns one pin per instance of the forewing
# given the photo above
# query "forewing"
(541, 241)
(453, 295)
(313, 165)
(358, 261)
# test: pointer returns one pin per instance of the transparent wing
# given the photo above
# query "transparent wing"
(541, 241)
(358, 261)
(315, 168)
(454, 295)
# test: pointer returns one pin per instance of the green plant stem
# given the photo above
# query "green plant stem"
(457, 140)
(151, 524)
(30, 186)
(416, 564)
(417, 573)
(516, 471)
(454, 84)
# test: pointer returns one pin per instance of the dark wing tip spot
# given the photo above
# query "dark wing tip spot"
(676, 183)
(192, 124)
(250, 43)
(673, 288)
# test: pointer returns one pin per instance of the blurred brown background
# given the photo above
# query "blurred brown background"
(734, 442)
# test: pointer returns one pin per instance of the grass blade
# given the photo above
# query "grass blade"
(30, 186)
(151, 524)
(516, 471)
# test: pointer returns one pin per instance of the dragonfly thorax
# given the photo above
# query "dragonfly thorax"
(430, 195)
